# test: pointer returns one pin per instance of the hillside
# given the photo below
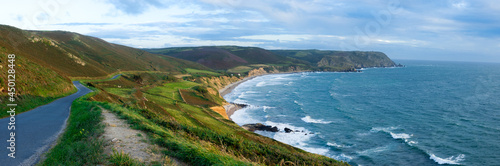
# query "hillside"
(175, 113)
(233, 59)
(229, 58)
(46, 60)
(339, 60)
(74, 55)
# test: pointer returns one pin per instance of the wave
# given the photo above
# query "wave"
(296, 139)
(243, 116)
(368, 152)
(406, 138)
(402, 136)
(450, 160)
(343, 157)
(308, 119)
(298, 103)
(337, 145)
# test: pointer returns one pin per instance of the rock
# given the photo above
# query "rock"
(261, 127)
(287, 130)
(115, 140)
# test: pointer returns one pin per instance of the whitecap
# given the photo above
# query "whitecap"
(343, 157)
(403, 136)
(368, 152)
(243, 116)
(261, 84)
(308, 119)
(240, 101)
(385, 129)
(298, 103)
(450, 160)
(334, 145)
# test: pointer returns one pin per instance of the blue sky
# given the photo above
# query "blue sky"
(458, 30)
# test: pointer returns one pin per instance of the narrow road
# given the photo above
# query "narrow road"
(36, 130)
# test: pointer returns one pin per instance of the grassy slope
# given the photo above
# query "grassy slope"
(229, 57)
(233, 59)
(174, 113)
(339, 59)
(46, 59)
(192, 133)
(80, 144)
(35, 84)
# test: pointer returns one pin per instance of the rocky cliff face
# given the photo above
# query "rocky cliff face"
(356, 60)
(219, 82)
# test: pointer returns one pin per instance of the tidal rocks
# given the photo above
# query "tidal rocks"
(287, 130)
(261, 127)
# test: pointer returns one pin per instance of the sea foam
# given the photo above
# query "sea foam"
(450, 160)
(308, 119)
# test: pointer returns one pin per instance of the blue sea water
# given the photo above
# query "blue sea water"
(427, 113)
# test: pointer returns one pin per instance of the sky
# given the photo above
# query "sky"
(451, 30)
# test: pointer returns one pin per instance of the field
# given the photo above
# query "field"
(202, 72)
(176, 115)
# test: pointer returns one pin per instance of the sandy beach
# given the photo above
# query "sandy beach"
(231, 108)
(228, 89)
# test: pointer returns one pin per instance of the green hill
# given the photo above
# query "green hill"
(177, 114)
(46, 60)
(339, 60)
(229, 57)
(235, 59)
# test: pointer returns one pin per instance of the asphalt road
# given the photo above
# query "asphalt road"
(36, 130)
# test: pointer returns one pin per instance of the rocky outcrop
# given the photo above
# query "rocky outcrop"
(356, 59)
(219, 82)
(260, 127)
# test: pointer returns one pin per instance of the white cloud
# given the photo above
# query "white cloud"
(321, 24)
(459, 4)
(160, 41)
(288, 37)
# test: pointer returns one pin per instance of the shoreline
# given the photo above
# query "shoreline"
(231, 108)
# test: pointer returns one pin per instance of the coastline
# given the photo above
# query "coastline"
(232, 107)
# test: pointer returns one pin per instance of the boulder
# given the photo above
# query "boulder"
(261, 127)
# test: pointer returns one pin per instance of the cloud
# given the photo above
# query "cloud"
(396, 26)
(135, 7)
(459, 4)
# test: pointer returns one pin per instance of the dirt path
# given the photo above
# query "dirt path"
(120, 137)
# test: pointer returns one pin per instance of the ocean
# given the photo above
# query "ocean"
(427, 113)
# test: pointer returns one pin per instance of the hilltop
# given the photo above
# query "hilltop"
(234, 59)
(47, 60)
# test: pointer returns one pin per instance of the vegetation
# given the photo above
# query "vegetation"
(227, 57)
(122, 159)
(241, 60)
(339, 60)
(201, 72)
(175, 114)
(190, 131)
(35, 84)
(80, 144)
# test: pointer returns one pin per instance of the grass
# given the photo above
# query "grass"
(206, 72)
(193, 133)
(35, 84)
(122, 159)
(239, 69)
(80, 144)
